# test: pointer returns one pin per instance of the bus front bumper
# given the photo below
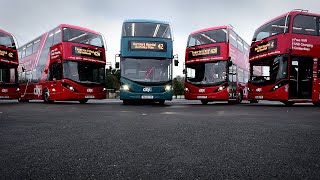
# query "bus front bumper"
(216, 96)
(67, 95)
(126, 95)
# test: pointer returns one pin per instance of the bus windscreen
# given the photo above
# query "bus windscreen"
(208, 37)
(155, 30)
(82, 37)
(7, 41)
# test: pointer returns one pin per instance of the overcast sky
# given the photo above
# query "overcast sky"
(27, 19)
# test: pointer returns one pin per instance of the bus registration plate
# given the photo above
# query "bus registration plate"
(258, 97)
(146, 97)
(202, 97)
(89, 97)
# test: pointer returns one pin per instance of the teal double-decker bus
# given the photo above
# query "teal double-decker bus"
(146, 61)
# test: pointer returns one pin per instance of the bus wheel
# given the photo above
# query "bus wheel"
(83, 101)
(23, 100)
(288, 103)
(240, 97)
(204, 102)
(161, 102)
(316, 103)
(46, 96)
(126, 102)
(253, 101)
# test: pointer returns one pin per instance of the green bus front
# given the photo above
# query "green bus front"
(146, 61)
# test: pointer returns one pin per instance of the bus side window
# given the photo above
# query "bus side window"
(57, 36)
(318, 68)
(303, 24)
(55, 71)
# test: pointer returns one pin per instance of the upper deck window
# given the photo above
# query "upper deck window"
(208, 37)
(155, 30)
(275, 27)
(82, 37)
(233, 38)
(6, 40)
(303, 24)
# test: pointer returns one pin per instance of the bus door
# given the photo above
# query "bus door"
(55, 72)
(232, 81)
(300, 86)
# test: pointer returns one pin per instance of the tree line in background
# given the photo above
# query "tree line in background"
(113, 81)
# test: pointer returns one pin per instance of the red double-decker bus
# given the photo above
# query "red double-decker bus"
(9, 88)
(284, 59)
(217, 67)
(66, 63)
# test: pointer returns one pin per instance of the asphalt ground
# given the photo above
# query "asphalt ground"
(180, 140)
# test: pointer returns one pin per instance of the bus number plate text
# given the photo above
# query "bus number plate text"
(202, 97)
(146, 97)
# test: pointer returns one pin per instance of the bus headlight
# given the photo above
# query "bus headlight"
(18, 89)
(168, 88)
(71, 88)
(53, 90)
(104, 89)
(277, 87)
(125, 87)
(220, 88)
(186, 89)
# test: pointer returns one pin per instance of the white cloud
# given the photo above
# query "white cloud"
(29, 19)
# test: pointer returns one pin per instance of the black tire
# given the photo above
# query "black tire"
(204, 102)
(240, 97)
(232, 102)
(253, 101)
(46, 96)
(23, 100)
(288, 103)
(83, 101)
(161, 102)
(125, 102)
(316, 103)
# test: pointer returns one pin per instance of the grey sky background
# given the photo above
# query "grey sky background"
(28, 19)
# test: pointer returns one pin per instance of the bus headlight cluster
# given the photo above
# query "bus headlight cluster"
(220, 88)
(186, 89)
(125, 87)
(277, 87)
(69, 87)
(168, 88)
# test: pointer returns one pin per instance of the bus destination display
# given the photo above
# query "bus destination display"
(147, 46)
(7, 54)
(264, 47)
(211, 51)
(81, 51)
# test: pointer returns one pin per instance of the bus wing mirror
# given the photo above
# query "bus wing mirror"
(117, 65)
(184, 71)
(176, 62)
(229, 62)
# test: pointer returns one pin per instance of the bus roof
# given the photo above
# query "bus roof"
(78, 27)
(5, 32)
(209, 29)
(64, 26)
(145, 21)
(292, 13)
